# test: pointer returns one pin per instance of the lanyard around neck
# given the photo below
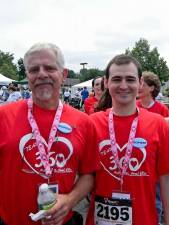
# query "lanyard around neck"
(44, 155)
(122, 168)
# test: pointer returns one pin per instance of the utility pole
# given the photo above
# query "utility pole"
(83, 64)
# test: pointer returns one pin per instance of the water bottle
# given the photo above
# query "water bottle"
(46, 197)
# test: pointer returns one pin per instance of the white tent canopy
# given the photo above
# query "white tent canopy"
(87, 84)
(5, 80)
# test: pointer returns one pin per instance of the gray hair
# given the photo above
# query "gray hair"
(44, 46)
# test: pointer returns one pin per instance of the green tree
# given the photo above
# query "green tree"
(21, 69)
(72, 74)
(7, 67)
(150, 59)
(87, 74)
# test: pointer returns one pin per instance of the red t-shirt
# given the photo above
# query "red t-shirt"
(157, 107)
(148, 161)
(71, 153)
(90, 104)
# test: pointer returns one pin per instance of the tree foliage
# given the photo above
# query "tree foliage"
(150, 59)
(71, 74)
(7, 67)
(87, 74)
(21, 69)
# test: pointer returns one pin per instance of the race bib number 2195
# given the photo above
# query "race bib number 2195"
(112, 211)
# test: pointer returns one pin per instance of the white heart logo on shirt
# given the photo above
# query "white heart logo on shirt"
(55, 159)
(108, 163)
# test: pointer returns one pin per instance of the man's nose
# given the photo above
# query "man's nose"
(42, 72)
(123, 84)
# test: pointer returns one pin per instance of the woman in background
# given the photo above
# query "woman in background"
(91, 102)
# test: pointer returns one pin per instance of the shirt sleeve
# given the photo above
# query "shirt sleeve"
(90, 157)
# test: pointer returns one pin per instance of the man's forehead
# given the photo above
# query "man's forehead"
(39, 64)
(123, 70)
(36, 61)
(45, 55)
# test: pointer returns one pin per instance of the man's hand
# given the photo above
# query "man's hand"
(65, 202)
(57, 213)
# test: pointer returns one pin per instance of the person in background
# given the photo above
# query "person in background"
(78, 93)
(105, 101)
(66, 95)
(91, 102)
(44, 141)
(91, 93)
(134, 153)
(4, 93)
(14, 94)
(25, 93)
(84, 94)
(148, 92)
(76, 99)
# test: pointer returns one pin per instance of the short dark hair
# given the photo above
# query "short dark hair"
(122, 60)
(12, 88)
(151, 79)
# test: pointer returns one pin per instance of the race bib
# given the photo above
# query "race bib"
(113, 211)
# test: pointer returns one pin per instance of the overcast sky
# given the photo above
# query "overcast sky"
(91, 31)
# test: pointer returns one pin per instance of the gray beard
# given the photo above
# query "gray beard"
(43, 95)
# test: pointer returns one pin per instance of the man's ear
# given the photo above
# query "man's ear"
(65, 74)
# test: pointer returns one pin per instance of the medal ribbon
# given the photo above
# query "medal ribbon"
(44, 156)
(129, 147)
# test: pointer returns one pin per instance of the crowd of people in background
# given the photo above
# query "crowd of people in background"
(13, 93)
(84, 99)
(77, 98)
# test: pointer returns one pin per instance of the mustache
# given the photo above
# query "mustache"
(44, 82)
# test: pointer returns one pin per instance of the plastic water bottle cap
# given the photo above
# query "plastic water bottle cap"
(43, 187)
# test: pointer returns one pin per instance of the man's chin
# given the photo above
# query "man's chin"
(43, 96)
(125, 100)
